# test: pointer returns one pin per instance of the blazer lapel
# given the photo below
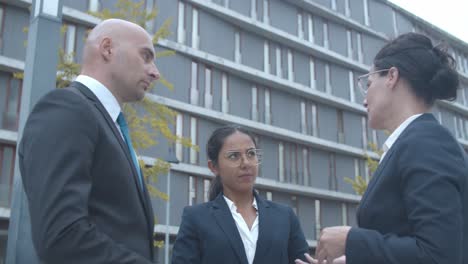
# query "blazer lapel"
(265, 229)
(224, 219)
(373, 181)
(111, 124)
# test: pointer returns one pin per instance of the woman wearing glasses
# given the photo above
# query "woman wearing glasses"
(237, 225)
(415, 209)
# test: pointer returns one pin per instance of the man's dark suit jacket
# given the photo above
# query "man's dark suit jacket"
(208, 234)
(415, 209)
(85, 202)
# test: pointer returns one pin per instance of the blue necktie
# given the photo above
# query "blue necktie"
(124, 128)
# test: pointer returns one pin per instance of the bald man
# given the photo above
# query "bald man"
(87, 198)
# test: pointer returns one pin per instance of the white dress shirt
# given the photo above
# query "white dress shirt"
(103, 94)
(249, 237)
(394, 136)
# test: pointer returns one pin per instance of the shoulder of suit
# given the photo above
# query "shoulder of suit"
(197, 208)
(276, 206)
(427, 130)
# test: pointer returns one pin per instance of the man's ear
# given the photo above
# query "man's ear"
(393, 77)
(105, 48)
(213, 168)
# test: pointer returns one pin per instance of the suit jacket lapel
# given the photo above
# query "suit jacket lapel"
(111, 124)
(265, 228)
(224, 219)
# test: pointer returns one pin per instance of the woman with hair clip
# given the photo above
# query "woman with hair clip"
(237, 225)
(415, 209)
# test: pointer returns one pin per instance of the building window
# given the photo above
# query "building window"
(465, 63)
(293, 160)
(439, 116)
(94, 5)
(237, 49)
(359, 47)
(303, 118)
(12, 104)
(366, 13)
(328, 86)
(266, 57)
(326, 43)
(267, 107)
(253, 9)
(332, 180)
(224, 93)
(462, 128)
(269, 196)
(181, 23)
(333, 5)
(278, 62)
(364, 132)
(300, 26)
(194, 140)
(281, 162)
(179, 133)
(294, 204)
(466, 128)
(69, 42)
(463, 95)
(208, 89)
(347, 8)
(344, 214)
(352, 95)
(195, 29)
(366, 171)
(192, 190)
(2, 19)
(290, 66)
(314, 120)
(305, 166)
(374, 137)
(350, 43)
(356, 168)
(313, 80)
(194, 84)
(266, 11)
(341, 134)
(310, 28)
(206, 190)
(254, 113)
(150, 6)
(318, 220)
(395, 25)
(455, 123)
(7, 169)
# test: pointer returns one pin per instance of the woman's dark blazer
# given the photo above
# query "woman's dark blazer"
(208, 234)
(415, 209)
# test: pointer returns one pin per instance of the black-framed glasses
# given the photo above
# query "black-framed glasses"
(234, 158)
(363, 81)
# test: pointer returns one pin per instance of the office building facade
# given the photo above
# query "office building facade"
(285, 69)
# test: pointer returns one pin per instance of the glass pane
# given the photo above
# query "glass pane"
(10, 118)
(6, 163)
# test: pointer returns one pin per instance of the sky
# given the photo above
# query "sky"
(449, 15)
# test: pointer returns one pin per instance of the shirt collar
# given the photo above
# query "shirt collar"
(394, 136)
(103, 94)
(233, 207)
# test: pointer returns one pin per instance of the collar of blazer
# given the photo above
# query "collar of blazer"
(226, 222)
(427, 117)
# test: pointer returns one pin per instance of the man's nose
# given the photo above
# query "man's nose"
(154, 72)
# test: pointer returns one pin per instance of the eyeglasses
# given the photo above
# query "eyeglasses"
(234, 158)
(363, 81)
